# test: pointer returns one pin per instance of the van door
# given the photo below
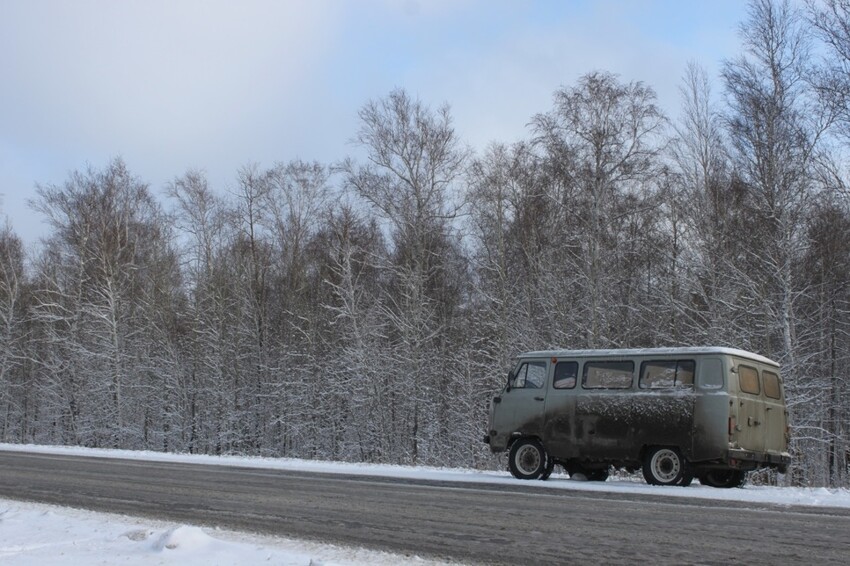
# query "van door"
(750, 423)
(602, 429)
(775, 418)
(559, 422)
(711, 410)
(662, 412)
(519, 408)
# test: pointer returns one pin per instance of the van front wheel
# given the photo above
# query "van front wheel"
(527, 459)
(663, 466)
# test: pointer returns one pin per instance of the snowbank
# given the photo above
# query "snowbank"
(35, 534)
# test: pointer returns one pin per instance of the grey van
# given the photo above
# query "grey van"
(674, 413)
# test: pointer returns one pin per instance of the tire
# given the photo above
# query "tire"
(724, 479)
(550, 467)
(663, 466)
(527, 460)
(687, 479)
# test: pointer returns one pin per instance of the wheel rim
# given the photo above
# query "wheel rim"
(527, 459)
(665, 465)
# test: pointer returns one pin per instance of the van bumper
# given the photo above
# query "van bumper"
(749, 460)
(496, 442)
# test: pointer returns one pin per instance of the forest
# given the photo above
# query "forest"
(367, 310)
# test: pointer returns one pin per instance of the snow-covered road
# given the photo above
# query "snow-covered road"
(40, 534)
(816, 497)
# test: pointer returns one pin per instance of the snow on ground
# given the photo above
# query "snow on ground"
(33, 533)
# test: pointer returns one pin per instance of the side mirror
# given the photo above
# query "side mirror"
(511, 377)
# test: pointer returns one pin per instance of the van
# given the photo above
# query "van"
(674, 413)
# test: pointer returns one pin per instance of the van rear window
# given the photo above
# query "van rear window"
(664, 374)
(771, 385)
(749, 380)
(608, 375)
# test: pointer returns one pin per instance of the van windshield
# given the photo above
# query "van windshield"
(530, 375)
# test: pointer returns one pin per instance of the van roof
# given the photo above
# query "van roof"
(648, 352)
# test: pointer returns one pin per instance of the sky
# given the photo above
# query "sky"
(170, 85)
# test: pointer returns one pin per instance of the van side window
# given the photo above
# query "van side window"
(664, 374)
(608, 375)
(771, 385)
(711, 374)
(749, 379)
(531, 375)
(565, 375)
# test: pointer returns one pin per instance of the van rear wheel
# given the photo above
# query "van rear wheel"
(663, 466)
(527, 459)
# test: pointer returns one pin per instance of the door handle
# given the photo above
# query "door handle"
(538, 398)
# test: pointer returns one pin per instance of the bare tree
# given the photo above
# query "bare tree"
(775, 126)
(414, 159)
(200, 215)
(13, 346)
(709, 202)
(831, 22)
(95, 300)
(348, 250)
(827, 261)
(774, 129)
(604, 137)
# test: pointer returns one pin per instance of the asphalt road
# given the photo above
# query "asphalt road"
(471, 523)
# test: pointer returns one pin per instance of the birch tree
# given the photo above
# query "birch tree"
(603, 136)
(201, 217)
(709, 200)
(14, 390)
(775, 126)
(94, 298)
(414, 159)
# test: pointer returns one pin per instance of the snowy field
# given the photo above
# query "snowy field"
(33, 533)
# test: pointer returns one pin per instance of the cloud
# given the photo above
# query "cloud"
(163, 77)
(498, 81)
(170, 85)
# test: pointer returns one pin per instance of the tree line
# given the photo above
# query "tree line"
(368, 310)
